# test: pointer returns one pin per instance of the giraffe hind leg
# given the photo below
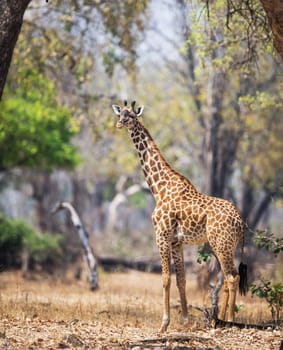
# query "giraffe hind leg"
(233, 282)
(178, 257)
(230, 286)
(228, 301)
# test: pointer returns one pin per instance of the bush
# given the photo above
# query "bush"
(267, 240)
(15, 235)
(273, 294)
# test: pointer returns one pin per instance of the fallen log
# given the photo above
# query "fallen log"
(114, 264)
(212, 321)
(221, 323)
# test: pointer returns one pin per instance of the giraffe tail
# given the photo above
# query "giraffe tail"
(243, 284)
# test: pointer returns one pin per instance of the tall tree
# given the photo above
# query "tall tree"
(11, 19)
(274, 13)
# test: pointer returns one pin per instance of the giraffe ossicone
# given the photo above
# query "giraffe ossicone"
(183, 215)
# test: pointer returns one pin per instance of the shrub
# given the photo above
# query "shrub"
(15, 235)
(273, 294)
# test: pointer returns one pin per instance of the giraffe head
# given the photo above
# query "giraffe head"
(127, 115)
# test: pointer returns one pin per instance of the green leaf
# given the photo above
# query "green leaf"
(35, 131)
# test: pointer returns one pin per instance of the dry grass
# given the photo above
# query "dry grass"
(49, 314)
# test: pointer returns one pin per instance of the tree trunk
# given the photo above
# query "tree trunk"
(247, 201)
(220, 143)
(262, 208)
(274, 13)
(11, 19)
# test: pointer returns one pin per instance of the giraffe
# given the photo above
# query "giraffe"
(183, 215)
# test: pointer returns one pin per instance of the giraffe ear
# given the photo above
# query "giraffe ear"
(139, 111)
(116, 109)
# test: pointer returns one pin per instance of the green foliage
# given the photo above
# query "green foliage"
(262, 140)
(42, 247)
(230, 37)
(15, 235)
(204, 255)
(124, 20)
(273, 294)
(267, 240)
(35, 131)
(110, 59)
(70, 33)
(11, 236)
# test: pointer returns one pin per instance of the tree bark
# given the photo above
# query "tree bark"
(247, 200)
(220, 142)
(11, 19)
(262, 207)
(274, 13)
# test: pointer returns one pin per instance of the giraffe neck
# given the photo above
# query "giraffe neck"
(157, 171)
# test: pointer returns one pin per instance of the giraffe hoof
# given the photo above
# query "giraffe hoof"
(164, 326)
(162, 329)
(184, 321)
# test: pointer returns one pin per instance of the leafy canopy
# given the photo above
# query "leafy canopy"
(35, 131)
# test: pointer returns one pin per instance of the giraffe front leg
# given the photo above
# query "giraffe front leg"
(166, 278)
(178, 257)
(165, 254)
(224, 301)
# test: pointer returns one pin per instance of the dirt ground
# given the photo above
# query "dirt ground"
(125, 313)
